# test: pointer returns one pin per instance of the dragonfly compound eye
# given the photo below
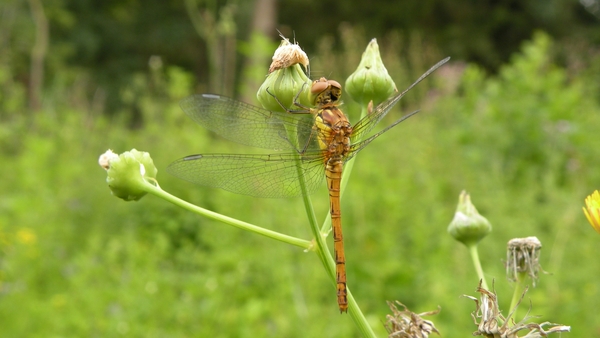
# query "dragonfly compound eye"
(335, 84)
(325, 91)
(335, 90)
(319, 86)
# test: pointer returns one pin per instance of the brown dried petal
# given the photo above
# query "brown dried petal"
(407, 324)
(489, 314)
(287, 55)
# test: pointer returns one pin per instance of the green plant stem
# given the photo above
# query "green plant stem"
(517, 292)
(157, 191)
(328, 262)
(321, 247)
(477, 263)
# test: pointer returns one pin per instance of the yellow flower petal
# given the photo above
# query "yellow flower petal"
(592, 210)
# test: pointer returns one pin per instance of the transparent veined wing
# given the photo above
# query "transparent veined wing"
(271, 176)
(247, 124)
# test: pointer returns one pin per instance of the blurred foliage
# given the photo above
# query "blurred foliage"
(76, 261)
(103, 44)
(485, 32)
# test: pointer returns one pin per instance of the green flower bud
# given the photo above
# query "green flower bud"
(286, 79)
(128, 173)
(370, 81)
(468, 226)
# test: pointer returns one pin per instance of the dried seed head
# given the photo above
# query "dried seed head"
(522, 257)
(488, 317)
(407, 324)
(287, 55)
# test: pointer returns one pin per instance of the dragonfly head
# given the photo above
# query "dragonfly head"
(325, 91)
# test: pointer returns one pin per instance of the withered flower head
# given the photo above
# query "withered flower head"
(407, 324)
(286, 79)
(287, 55)
(491, 323)
(523, 256)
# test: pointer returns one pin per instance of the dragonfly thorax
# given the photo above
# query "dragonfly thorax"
(334, 130)
(333, 125)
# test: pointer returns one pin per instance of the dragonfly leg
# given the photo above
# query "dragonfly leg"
(314, 131)
(297, 102)
(304, 109)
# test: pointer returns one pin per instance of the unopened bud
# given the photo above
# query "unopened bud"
(128, 173)
(286, 79)
(370, 81)
(468, 226)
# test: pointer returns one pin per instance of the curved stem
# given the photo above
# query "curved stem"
(320, 248)
(154, 190)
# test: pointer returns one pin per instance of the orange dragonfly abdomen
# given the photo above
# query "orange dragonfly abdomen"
(333, 172)
(334, 132)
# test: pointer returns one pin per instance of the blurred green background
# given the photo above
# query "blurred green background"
(513, 119)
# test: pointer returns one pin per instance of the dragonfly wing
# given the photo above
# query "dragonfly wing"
(271, 176)
(356, 147)
(247, 124)
(366, 124)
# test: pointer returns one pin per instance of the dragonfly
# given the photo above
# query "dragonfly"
(319, 141)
